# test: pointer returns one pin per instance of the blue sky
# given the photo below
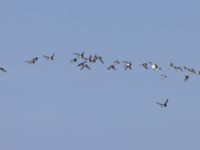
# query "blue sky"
(53, 105)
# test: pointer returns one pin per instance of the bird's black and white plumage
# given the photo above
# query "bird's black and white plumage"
(186, 77)
(163, 104)
(127, 65)
(49, 58)
(33, 60)
(144, 65)
(154, 66)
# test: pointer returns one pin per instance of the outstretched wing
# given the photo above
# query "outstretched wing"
(101, 60)
(2, 69)
(45, 56)
(87, 67)
(159, 104)
(53, 55)
(167, 100)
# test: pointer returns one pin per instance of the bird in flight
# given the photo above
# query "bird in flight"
(154, 66)
(144, 65)
(90, 60)
(163, 104)
(96, 57)
(32, 61)
(127, 65)
(49, 58)
(79, 55)
(84, 65)
(163, 76)
(186, 77)
(112, 66)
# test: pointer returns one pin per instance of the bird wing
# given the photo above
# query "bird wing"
(101, 60)
(77, 54)
(29, 61)
(45, 56)
(87, 67)
(159, 103)
(53, 55)
(2, 69)
(166, 101)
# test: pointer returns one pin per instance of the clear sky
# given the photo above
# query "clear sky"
(55, 106)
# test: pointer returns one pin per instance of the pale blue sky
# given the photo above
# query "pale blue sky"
(54, 106)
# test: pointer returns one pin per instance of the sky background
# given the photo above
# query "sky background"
(55, 106)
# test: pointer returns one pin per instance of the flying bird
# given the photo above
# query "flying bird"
(154, 66)
(96, 57)
(127, 65)
(49, 58)
(144, 65)
(163, 104)
(79, 55)
(32, 61)
(163, 76)
(112, 66)
(84, 65)
(186, 77)
(90, 59)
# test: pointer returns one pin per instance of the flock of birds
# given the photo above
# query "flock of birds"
(84, 62)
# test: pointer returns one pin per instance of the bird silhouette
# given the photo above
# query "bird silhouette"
(163, 104)
(33, 60)
(49, 58)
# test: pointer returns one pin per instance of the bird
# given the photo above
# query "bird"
(95, 57)
(178, 68)
(163, 76)
(154, 66)
(100, 59)
(127, 65)
(3, 69)
(163, 104)
(90, 59)
(32, 61)
(186, 77)
(84, 65)
(79, 55)
(144, 65)
(190, 70)
(112, 66)
(73, 60)
(49, 58)
(171, 65)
